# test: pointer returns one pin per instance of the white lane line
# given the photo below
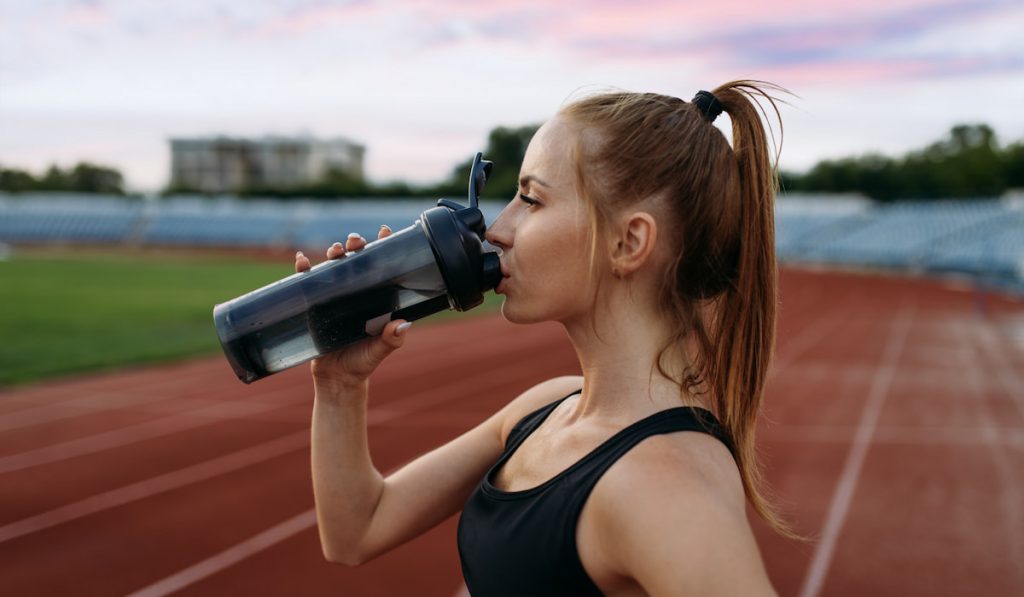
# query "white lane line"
(1013, 385)
(139, 381)
(840, 505)
(230, 556)
(46, 413)
(155, 485)
(897, 435)
(811, 334)
(1011, 489)
(235, 554)
(1013, 328)
(276, 534)
(306, 520)
(131, 434)
(805, 339)
(387, 413)
(95, 401)
(108, 400)
(130, 396)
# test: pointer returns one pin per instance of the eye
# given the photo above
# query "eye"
(528, 200)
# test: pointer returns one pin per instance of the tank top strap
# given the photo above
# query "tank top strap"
(589, 470)
(531, 422)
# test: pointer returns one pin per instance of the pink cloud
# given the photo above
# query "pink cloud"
(85, 14)
(314, 17)
(875, 70)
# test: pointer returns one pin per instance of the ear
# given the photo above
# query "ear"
(633, 242)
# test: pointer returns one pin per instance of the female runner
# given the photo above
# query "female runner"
(651, 240)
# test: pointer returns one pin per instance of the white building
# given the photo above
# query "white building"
(231, 164)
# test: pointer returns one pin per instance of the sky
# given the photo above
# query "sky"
(421, 83)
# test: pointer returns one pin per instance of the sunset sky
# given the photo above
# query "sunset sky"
(421, 83)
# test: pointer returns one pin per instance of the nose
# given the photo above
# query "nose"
(499, 233)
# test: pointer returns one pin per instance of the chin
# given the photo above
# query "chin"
(512, 315)
(517, 314)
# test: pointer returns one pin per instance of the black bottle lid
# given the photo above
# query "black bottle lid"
(456, 235)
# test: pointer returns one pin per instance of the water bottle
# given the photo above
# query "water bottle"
(435, 264)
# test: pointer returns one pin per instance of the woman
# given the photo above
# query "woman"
(651, 241)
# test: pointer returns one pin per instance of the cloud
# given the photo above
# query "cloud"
(428, 70)
(876, 46)
(788, 36)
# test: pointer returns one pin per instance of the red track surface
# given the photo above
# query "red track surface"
(895, 437)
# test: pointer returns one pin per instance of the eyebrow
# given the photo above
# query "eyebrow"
(525, 180)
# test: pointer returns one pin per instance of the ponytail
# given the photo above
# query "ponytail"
(746, 326)
(720, 289)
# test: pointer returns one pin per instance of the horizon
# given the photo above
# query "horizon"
(421, 85)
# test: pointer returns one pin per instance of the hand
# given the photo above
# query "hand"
(353, 364)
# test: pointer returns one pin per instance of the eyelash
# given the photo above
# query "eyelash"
(527, 200)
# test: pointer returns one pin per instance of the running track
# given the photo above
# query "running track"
(894, 436)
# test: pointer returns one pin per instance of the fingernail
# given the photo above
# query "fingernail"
(354, 235)
(336, 245)
(402, 327)
(298, 254)
(385, 227)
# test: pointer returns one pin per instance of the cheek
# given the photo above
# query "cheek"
(560, 254)
(554, 278)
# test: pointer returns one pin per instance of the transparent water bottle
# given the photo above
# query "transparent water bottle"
(435, 264)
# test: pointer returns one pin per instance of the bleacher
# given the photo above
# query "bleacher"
(194, 221)
(982, 238)
(66, 218)
(905, 234)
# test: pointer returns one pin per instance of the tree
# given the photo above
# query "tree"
(82, 178)
(16, 181)
(90, 178)
(506, 147)
(1013, 165)
(966, 163)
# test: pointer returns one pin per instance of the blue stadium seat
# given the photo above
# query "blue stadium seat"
(983, 238)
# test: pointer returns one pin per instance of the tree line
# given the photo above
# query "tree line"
(968, 162)
(83, 177)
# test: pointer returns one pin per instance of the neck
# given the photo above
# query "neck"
(619, 361)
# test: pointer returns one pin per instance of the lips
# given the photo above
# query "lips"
(505, 276)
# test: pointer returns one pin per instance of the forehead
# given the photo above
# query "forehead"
(549, 155)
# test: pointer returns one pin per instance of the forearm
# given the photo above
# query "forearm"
(346, 485)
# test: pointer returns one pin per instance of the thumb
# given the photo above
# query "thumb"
(391, 337)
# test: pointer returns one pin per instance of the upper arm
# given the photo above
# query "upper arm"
(434, 486)
(675, 532)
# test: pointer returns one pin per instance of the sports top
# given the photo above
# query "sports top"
(524, 542)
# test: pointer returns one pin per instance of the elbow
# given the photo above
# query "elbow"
(341, 550)
(349, 557)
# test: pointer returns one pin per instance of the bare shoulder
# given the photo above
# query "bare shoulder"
(676, 508)
(540, 395)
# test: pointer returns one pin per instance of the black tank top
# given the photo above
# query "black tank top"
(524, 542)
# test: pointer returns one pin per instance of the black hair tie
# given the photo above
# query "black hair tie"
(708, 105)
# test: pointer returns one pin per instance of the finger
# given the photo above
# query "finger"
(391, 338)
(396, 331)
(355, 242)
(336, 250)
(384, 231)
(302, 263)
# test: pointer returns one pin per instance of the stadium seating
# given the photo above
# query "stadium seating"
(67, 218)
(983, 238)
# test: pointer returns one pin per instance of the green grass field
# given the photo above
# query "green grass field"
(71, 312)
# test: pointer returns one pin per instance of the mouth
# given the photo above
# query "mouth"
(505, 275)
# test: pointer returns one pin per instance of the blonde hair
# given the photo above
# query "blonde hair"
(721, 284)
